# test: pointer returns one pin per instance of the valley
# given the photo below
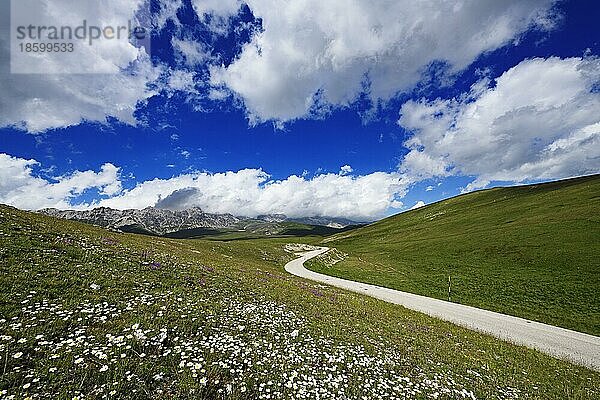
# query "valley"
(90, 312)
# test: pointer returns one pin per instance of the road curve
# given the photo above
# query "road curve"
(577, 347)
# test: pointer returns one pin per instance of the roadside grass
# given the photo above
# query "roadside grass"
(531, 251)
(88, 313)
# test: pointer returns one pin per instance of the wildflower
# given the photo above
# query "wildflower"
(104, 368)
(17, 355)
(93, 286)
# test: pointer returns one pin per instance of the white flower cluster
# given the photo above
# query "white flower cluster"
(258, 349)
(206, 338)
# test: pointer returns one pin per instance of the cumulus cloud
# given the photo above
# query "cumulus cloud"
(346, 169)
(20, 187)
(38, 102)
(538, 120)
(252, 192)
(221, 8)
(180, 80)
(418, 204)
(249, 192)
(178, 200)
(168, 12)
(190, 52)
(327, 52)
(216, 13)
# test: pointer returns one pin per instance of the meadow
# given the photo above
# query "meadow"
(90, 314)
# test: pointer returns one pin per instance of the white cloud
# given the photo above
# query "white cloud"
(345, 170)
(20, 187)
(249, 192)
(193, 53)
(168, 12)
(181, 80)
(541, 120)
(217, 12)
(252, 192)
(221, 8)
(38, 102)
(418, 204)
(185, 154)
(334, 47)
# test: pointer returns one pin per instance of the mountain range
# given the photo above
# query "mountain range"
(159, 221)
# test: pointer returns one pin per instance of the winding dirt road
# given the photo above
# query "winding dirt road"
(573, 346)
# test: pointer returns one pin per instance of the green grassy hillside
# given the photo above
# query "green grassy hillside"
(245, 230)
(91, 314)
(530, 251)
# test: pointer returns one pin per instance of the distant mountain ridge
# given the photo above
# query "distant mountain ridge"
(159, 221)
(154, 220)
(338, 223)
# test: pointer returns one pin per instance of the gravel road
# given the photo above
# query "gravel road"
(576, 347)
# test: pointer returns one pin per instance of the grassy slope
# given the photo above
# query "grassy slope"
(530, 251)
(250, 230)
(212, 298)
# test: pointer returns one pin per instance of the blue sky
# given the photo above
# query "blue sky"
(211, 120)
